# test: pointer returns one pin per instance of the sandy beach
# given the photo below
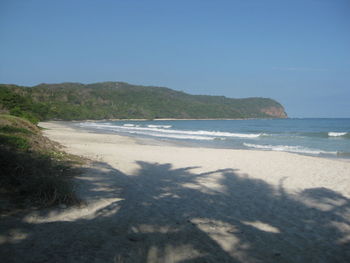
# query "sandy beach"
(164, 203)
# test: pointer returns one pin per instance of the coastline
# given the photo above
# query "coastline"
(170, 203)
(169, 119)
(198, 142)
(267, 165)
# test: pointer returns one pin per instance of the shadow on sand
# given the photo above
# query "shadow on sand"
(163, 214)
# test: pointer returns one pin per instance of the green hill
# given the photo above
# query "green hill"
(106, 100)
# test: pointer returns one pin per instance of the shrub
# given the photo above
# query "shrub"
(35, 178)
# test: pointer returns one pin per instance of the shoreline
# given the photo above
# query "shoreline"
(161, 203)
(196, 144)
(133, 146)
(169, 119)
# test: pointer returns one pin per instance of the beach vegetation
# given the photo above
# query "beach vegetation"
(34, 171)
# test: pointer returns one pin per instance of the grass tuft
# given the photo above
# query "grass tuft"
(34, 170)
(42, 181)
(11, 129)
(14, 142)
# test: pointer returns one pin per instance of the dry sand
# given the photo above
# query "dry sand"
(161, 203)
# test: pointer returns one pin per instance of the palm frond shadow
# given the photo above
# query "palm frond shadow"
(167, 214)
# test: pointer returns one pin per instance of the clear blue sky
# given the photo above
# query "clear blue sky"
(295, 51)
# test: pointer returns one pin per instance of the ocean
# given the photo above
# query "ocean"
(317, 137)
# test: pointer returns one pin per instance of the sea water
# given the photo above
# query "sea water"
(319, 137)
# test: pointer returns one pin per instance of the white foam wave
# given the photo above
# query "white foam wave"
(129, 125)
(159, 126)
(130, 128)
(176, 136)
(336, 134)
(148, 131)
(287, 148)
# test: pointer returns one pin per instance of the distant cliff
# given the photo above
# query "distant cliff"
(106, 100)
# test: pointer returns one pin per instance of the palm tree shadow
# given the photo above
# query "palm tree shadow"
(167, 214)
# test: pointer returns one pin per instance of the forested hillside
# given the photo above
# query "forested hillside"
(75, 101)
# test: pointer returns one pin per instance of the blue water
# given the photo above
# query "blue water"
(320, 137)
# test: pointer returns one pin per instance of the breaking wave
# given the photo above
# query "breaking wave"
(159, 126)
(164, 131)
(311, 137)
(337, 134)
(287, 148)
